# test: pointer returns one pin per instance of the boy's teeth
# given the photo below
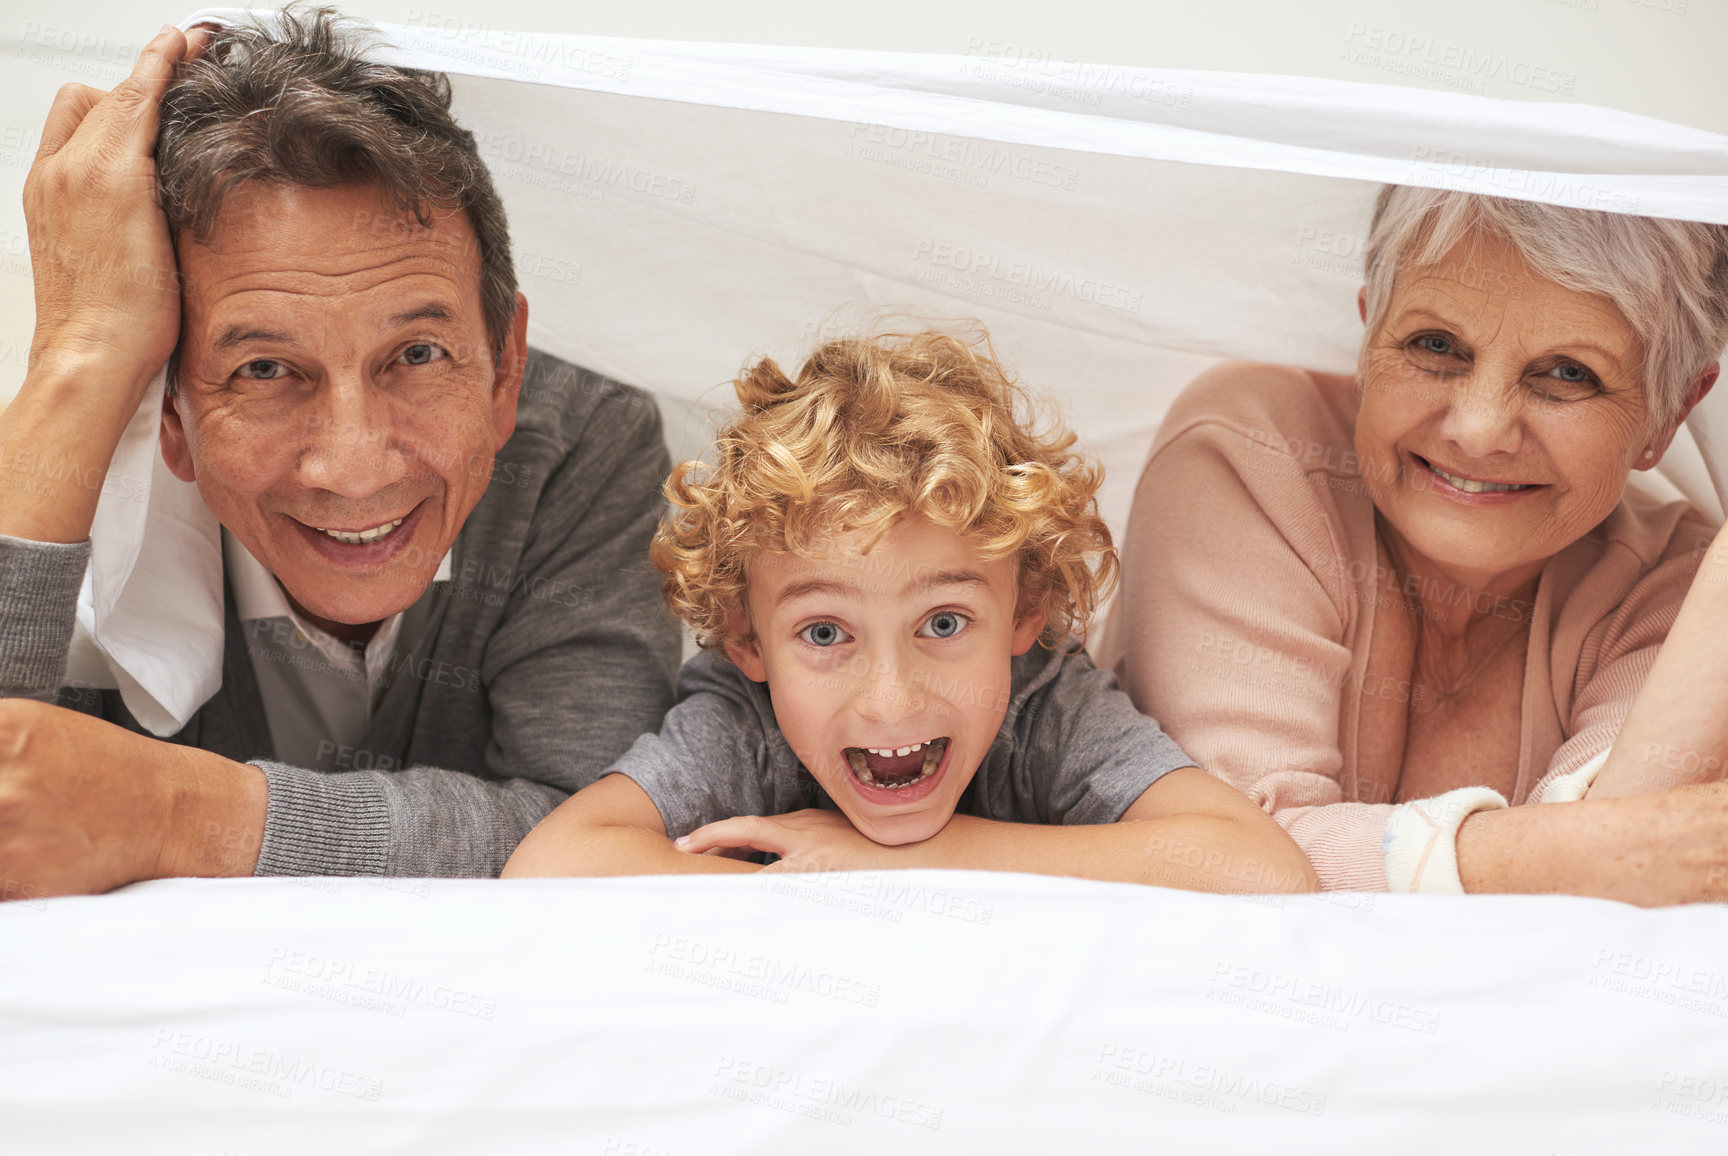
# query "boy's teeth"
(858, 758)
(372, 535)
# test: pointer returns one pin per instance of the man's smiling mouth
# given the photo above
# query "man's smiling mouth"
(895, 768)
(362, 537)
(357, 544)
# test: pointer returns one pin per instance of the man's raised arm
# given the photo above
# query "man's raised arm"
(107, 298)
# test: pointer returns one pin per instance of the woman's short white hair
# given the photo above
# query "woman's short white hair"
(1669, 279)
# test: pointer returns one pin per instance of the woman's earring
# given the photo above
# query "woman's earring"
(1649, 453)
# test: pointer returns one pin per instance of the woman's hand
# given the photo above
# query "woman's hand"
(809, 840)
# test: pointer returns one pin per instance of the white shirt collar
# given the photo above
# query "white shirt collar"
(257, 594)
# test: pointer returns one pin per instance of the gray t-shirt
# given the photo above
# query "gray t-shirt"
(1072, 749)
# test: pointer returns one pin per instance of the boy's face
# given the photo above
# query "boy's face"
(903, 649)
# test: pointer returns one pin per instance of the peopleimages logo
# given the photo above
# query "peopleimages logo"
(1027, 275)
(345, 981)
(963, 155)
(1446, 62)
(524, 49)
(600, 172)
(1074, 80)
(255, 1069)
(78, 42)
(1340, 1003)
(832, 1101)
(1206, 1085)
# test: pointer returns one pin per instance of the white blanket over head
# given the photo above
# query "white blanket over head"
(676, 208)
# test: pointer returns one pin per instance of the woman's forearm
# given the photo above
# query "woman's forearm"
(1652, 850)
(1677, 729)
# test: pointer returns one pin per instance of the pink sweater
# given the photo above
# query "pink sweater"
(1245, 623)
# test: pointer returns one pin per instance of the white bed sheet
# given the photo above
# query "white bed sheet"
(950, 1012)
(677, 208)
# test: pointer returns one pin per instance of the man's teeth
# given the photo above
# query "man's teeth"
(1470, 487)
(362, 536)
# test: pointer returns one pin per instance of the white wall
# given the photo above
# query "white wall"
(1661, 58)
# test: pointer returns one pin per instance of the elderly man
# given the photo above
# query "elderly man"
(418, 568)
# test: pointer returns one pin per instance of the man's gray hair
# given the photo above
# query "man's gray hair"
(295, 101)
(1669, 279)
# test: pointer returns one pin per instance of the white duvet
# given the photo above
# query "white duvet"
(938, 1012)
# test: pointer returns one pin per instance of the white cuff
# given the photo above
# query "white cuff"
(1421, 844)
(1570, 788)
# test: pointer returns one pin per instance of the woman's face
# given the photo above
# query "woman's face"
(1500, 411)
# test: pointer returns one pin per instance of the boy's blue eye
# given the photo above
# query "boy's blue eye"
(822, 634)
(945, 624)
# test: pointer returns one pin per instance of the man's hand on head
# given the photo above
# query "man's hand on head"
(107, 296)
(86, 806)
(106, 279)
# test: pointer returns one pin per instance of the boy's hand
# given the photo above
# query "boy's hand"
(809, 840)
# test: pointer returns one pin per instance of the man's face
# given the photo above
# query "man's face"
(338, 401)
(889, 671)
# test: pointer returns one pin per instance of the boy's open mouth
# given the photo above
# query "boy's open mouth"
(896, 768)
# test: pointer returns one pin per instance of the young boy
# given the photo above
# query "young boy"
(891, 560)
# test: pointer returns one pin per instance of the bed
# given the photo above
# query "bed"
(907, 1012)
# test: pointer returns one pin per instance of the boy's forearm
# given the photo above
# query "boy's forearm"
(597, 851)
(1194, 852)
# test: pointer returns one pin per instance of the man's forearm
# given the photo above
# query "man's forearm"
(107, 296)
(1194, 852)
(57, 439)
(215, 817)
(93, 806)
(421, 821)
(38, 609)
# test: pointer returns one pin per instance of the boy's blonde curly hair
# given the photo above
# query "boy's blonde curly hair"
(872, 430)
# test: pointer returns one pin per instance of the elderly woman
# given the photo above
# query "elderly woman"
(1388, 606)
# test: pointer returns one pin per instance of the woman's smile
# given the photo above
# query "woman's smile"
(1471, 488)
